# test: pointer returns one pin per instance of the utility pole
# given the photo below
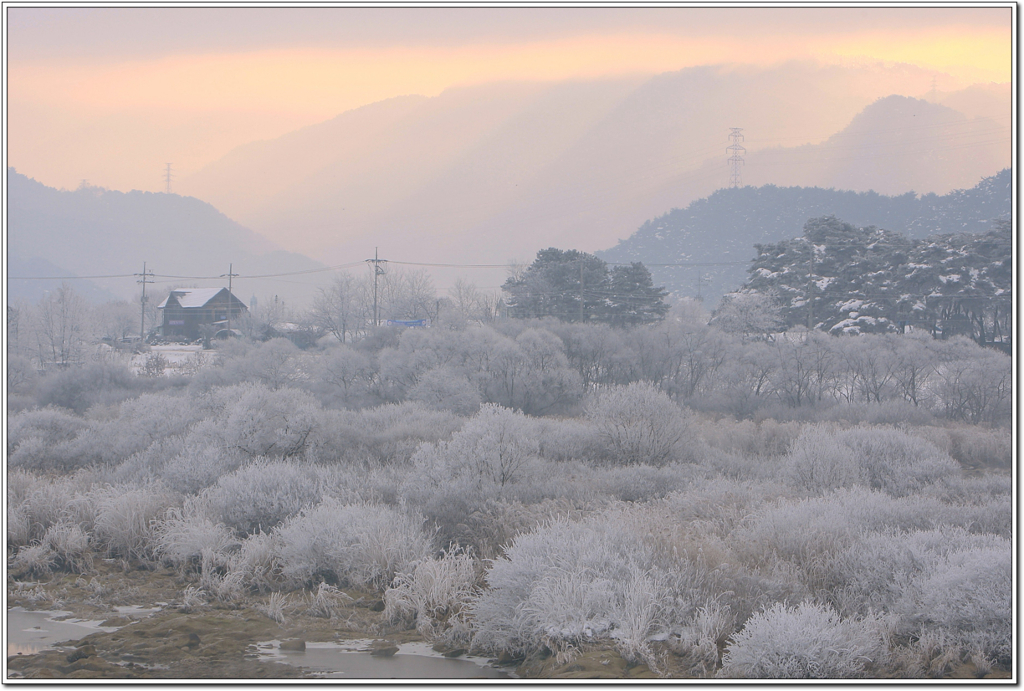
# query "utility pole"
(230, 274)
(144, 280)
(736, 159)
(377, 271)
(168, 177)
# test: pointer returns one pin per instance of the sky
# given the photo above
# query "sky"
(111, 95)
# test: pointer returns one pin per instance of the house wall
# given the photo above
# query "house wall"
(186, 323)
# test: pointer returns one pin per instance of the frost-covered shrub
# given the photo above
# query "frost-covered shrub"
(33, 560)
(141, 422)
(809, 641)
(19, 483)
(720, 505)
(874, 572)
(266, 422)
(968, 597)
(50, 425)
(491, 449)
(263, 493)
(826, 458)
(183, 534)
(971, 445)
(638, 423)
(531, 374)
(767, 438)
(70, 546)
(897, 462)
(890, 412)
(125, 519)
(197, 465)
(385, 435)
(433, 594)
(45, 440)
(699, 644)
(641, 482)
(49, 502)
(443, 388)
(490, 525)
(567, 439)
(362, 545)
(488, 459)
(19, 526)
(327, 602)
(819, 462)
(257, 562)
(566, 583)
(96, 384)
(810, 533)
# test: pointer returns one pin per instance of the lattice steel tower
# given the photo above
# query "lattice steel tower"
(736, 158)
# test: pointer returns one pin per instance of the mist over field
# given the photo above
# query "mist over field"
(661, 343)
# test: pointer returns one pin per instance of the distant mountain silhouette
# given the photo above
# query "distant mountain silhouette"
(19, 290)
(493, 172)
(895, 145)
(92, 231)
(724, 226)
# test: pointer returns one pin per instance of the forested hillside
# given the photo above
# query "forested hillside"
(723, 228)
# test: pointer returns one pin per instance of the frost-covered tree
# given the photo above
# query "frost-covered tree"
(60, 327)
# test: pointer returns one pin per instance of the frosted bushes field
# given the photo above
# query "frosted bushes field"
(622, 521)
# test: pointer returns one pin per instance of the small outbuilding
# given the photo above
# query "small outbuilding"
(187, 310)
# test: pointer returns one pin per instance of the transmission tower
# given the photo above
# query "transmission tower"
(736, 158)
(702, 279)
(168, 177)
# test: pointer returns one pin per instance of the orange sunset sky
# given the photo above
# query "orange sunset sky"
(110, 95)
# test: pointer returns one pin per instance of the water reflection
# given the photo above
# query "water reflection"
(412, 661)
(31, 632)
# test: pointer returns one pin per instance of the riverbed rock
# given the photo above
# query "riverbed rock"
(86, 650)
(296, 644)
(383, 649)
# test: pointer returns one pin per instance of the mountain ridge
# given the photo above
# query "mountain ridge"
(92, 231)
(725, 226)
(506, 169)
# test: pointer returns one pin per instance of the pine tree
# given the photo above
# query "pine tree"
(575, 286)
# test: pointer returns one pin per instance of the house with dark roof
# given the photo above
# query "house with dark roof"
(187, 310)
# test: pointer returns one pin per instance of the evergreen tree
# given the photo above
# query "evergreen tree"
(633, 298)
(843, 279)
(575, 286)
